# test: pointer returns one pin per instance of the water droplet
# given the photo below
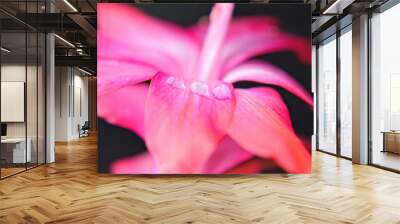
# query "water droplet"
(170, 80)
(178, 83)
(200, 88)
(222, 92)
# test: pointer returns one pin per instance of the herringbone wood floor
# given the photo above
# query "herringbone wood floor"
(71, 191)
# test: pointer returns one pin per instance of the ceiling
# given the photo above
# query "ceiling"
(74, 21)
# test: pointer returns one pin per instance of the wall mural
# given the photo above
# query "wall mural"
(204, 88)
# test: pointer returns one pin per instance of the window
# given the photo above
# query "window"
(327, 95)
(345, 93)
(385, 89)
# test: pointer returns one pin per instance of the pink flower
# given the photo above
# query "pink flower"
(190, 116)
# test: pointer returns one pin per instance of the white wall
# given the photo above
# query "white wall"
(71, 102)
(80, 110)
(16, 72)
(33, 127)
(62, 81)
(11, 73)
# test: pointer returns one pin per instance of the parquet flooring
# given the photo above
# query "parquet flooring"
(11, 170)
(71, 191)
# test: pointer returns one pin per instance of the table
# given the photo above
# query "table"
(391, 141)
(13, 150)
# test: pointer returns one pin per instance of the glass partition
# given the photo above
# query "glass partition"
(13, 105)
(327, 95)
(22, 67)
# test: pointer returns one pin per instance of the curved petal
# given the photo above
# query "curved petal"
(124, 107)
(258, 42)
(238, 26)
(112, 74)
(258, 71)
(126, 33)
(209, 61)
(306, 141)
(185, 120)
(138, 164)
(255, 165)
(275, 103)
(260, 130)
(251, 36)
(227, 155)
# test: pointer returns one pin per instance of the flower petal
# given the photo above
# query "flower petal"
(185, 120)
(238, 26)
(275, 103)
(252, 36)
(255, 165)
(209, 61)
(124, 107)
(114, 74)
(244, 46)
(227, 155)
(258, 128)
(259, 71)
(138, 164)
(126, 33)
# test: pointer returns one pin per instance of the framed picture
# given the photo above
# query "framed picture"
(204, 88)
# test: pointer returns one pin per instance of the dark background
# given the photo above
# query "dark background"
(115, 142)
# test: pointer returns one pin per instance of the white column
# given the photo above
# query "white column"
(50, 92)
(360, 89)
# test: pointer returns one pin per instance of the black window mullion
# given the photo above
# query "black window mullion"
(317, 97)
(369, 91)
(26, 87)
(37, 90)
(338, 91)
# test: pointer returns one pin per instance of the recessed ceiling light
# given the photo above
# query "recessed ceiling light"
(337, 7)
(70, 5)
(84, 71)
(5, 50)
(64, 40)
